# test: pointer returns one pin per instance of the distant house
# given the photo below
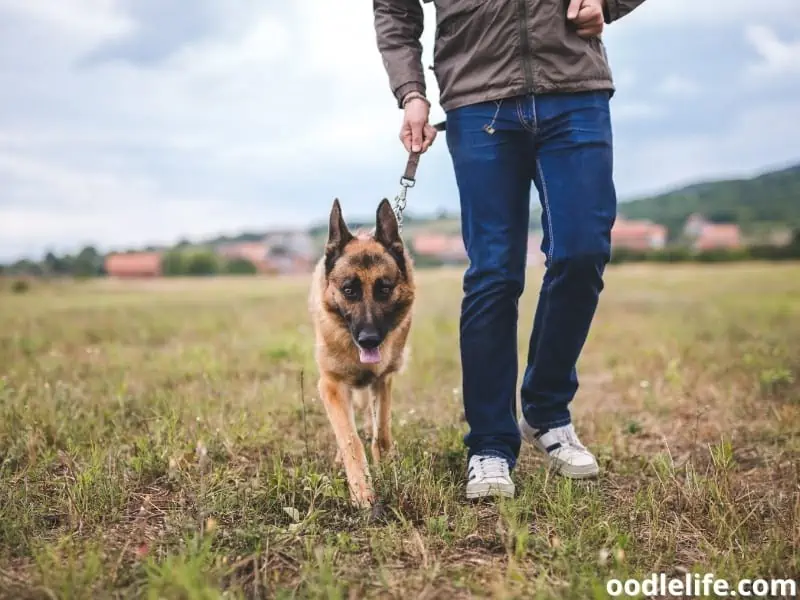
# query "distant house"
(289, 264)
(297, 243)
(715, 235)
(448, 248)
(638, 235)
(445, 247)
(284, 252)
(694, 225)
(705, 235)
(133, 265)
(255, 252)
(290, 252)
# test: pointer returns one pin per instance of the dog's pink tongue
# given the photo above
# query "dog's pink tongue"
(370, 355)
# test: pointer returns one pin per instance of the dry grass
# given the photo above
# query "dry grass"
(162, 440)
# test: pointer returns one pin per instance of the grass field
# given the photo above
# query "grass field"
(164, 440)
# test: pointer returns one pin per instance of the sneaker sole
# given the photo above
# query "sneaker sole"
(482, 490)
(573, 472)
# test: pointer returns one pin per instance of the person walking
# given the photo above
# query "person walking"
(526, 88)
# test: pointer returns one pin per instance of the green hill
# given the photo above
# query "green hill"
(766, 202)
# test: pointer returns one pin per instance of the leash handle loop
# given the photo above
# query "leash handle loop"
(409, 175)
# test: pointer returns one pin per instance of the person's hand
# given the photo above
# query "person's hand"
(587, 15)
(416, 133)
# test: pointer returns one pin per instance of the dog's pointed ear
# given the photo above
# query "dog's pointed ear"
(338, 236)
(386, 229)
(387, 233)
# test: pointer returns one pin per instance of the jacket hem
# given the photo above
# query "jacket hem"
(583, 85)
(611, 11)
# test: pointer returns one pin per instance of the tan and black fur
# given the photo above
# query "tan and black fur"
(362, 290)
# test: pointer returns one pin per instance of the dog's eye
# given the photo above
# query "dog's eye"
(383, 291)
(349, 291)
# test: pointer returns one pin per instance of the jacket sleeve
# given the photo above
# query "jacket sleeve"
(616, 9)
(398, 29)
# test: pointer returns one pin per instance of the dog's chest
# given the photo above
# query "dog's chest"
(363, 377)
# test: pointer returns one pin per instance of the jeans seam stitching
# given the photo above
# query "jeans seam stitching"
(545, 311)
(545, 196)
(546, 201)
(522, 120)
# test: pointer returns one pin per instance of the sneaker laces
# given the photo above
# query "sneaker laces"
(485, 467)
(565, 437)
(568, 437)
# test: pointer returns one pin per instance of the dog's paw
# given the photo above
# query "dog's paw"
(363, 499)
(383, 452)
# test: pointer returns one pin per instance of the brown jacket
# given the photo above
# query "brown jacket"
(491, 49)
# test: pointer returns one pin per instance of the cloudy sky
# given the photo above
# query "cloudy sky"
(129, 122)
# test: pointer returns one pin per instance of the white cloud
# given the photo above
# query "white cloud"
(625, 78)
(267, 40)
(679, 86)
(103, 208)
(777, 57)
(91, 20)
(276, 110)
(709, 13)
(762, 137)
(636, 111)
(241, 107)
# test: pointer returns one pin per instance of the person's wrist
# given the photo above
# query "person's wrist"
(414, 95)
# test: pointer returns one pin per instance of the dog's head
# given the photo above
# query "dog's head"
(369, 288)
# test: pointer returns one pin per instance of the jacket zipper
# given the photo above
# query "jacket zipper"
(525, 45)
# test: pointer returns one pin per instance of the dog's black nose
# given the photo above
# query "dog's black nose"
(369, 338)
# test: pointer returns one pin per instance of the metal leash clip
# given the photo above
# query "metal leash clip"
(400, 205)
(406, 181)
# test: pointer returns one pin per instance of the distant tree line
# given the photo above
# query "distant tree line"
(86, 263)
(187, 262)
(182, 260)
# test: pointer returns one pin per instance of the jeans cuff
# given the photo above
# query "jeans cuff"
(499, 453)
(549, 424)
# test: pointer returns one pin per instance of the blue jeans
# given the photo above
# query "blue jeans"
(563, 144)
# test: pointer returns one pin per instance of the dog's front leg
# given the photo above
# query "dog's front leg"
(382, 424)
(336, 399)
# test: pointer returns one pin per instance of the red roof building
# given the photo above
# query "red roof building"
(254, 252)
(638, 235)
(449, 248)
(134, 264)
(708, 236)
(269, 258)
(445, 247)
(714, 235)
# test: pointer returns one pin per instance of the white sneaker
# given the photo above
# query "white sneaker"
(563, 448)
(488, 475)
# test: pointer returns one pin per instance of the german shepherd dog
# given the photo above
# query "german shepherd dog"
(361, 300)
